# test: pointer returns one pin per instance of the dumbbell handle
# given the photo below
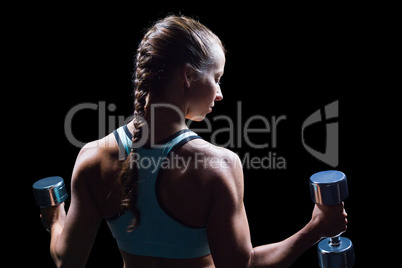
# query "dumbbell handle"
(330, 188)
(335, 241)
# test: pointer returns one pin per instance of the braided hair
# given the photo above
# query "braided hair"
(168, 44)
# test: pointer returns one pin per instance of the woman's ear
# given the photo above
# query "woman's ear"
(188, 75)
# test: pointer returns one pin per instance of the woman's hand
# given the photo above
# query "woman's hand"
(51, 215)
(330, 220)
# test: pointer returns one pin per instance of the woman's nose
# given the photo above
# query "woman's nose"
(219, 95)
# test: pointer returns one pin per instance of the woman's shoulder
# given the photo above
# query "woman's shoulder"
(217, 167)
(201, 149)
(97, 156)
(206, 158)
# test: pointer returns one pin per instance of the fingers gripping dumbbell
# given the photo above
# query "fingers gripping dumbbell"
(331, 188)
(49, 192)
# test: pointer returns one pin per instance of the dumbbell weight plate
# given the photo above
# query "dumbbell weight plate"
(338, 256)
(328, 187)
(50, 191)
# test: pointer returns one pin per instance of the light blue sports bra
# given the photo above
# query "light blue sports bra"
(159, 233)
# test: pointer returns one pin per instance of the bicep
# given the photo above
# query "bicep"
(227, 227)
(82, 220)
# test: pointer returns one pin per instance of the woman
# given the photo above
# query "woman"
(168, 204)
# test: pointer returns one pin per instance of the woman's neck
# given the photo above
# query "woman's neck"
(163, 119)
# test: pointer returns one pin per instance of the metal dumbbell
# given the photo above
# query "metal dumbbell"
(330, 188)
(50, 191)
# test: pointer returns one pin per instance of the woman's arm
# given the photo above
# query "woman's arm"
(326, 221)
(229, 235)
(72, 235)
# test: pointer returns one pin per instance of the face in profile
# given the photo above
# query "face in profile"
(205, 90)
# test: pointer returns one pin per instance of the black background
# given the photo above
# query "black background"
(287, 61)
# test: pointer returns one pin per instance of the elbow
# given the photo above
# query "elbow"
(62, 265)
(59, 265)
(238, 260)
(58, 261)
(63, 260)
(252, 260)
(245, 260)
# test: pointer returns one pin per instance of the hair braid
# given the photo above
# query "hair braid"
(128, 178)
